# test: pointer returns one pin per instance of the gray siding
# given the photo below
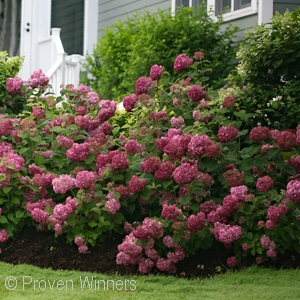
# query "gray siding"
(282, 5)
(243, 24)
(115, 10)
(69, 16)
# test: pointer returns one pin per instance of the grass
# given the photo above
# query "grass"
(22, 282)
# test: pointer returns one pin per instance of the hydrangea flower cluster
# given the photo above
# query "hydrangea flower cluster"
(38, 78)
(227, 133)
(226, 234)
(182, 61)
(264, 184)
(14, 85)
(293, 190)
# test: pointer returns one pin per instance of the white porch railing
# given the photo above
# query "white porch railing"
(61, 68)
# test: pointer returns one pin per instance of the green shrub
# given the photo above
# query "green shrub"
(268, 66)
(9, 67)
(128, 49)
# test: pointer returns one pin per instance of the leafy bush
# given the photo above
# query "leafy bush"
(183, 175)
(9, 67)
(267, 67)
(128, 49)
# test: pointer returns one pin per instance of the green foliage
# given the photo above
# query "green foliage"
(268, 60)
(128, 49)
(9, 68)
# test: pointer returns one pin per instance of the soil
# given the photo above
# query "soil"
(42, 249)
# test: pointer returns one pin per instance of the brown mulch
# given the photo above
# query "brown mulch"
(42, 249)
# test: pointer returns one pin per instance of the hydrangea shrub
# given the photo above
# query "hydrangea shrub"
(183, 177)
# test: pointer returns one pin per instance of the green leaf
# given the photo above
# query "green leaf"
(39, 159)
(3, 220)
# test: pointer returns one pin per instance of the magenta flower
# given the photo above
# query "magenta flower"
(170, 212)
(14, 85)
(63, 183)
(226, 234)
(156, 72)
(136, 184)
(198, 55)
(198, 145)
(132, 146)
(259, 134)
(113, 205)
(38, 112)
(150, 165)
(177, 122)
(38, 78)
(229, 101)
(164, 170)
(196, 222)
(129, 102)
(143, 85)
(232, 262)
(227, 133)
(185, 173)
(182, 61)
(79, 241)
(264, 184)
(293, 190)
(78, 152)
(85, 179)
(40, 215)
(6, 127)
(3, 236)
(196, 93)
(154, 227)
(285, 139)
(93, 98)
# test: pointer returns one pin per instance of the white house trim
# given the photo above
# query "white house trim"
(265, 11)
(90, 33)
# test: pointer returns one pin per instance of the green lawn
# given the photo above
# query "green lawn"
(28, 282)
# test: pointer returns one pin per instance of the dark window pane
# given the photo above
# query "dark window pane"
(223, 6)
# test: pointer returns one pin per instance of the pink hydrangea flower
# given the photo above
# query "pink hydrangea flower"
(39, 215)
(78, 152)
(226, 234)
(38, 78)
(229, 101)
(14, 85)
(132, 146)
(85, 179)
(185, 173)
(168, 241)
(177, 122)
(293, 190)
(259, 134)
(196, 222)
(79, 241)
(143, 85)
(156, 72)
(6, 127)
(63, 183)
(120, 161)
(136, 184)
(154, 227)
(3, 236)
(129, 102)
(93, 98)
(182, 61)
(232, 262)
(146, 265)
(264, 184)
(38, 112)
(82, 249)
(108, 109)
(65, 141)
(150, 165)
(196, 93)
(198, 55)
(164, 170)
(227, 133)
(140, 232)
(170, 212)
(286, 140)
(198, 145)
(113, 205)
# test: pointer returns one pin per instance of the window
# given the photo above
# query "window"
(230, 9)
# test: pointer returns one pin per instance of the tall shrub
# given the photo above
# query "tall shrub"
(9, 67)
(128, 49)
(268, 67)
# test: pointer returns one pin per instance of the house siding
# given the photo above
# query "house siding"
(282, 5)
(69, 16)
(111, 11)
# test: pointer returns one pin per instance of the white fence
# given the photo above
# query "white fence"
(61, 68)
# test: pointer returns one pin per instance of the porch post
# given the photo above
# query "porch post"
(265, 11)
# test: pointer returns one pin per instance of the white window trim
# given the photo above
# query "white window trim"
(243, 12)
(253, 9)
